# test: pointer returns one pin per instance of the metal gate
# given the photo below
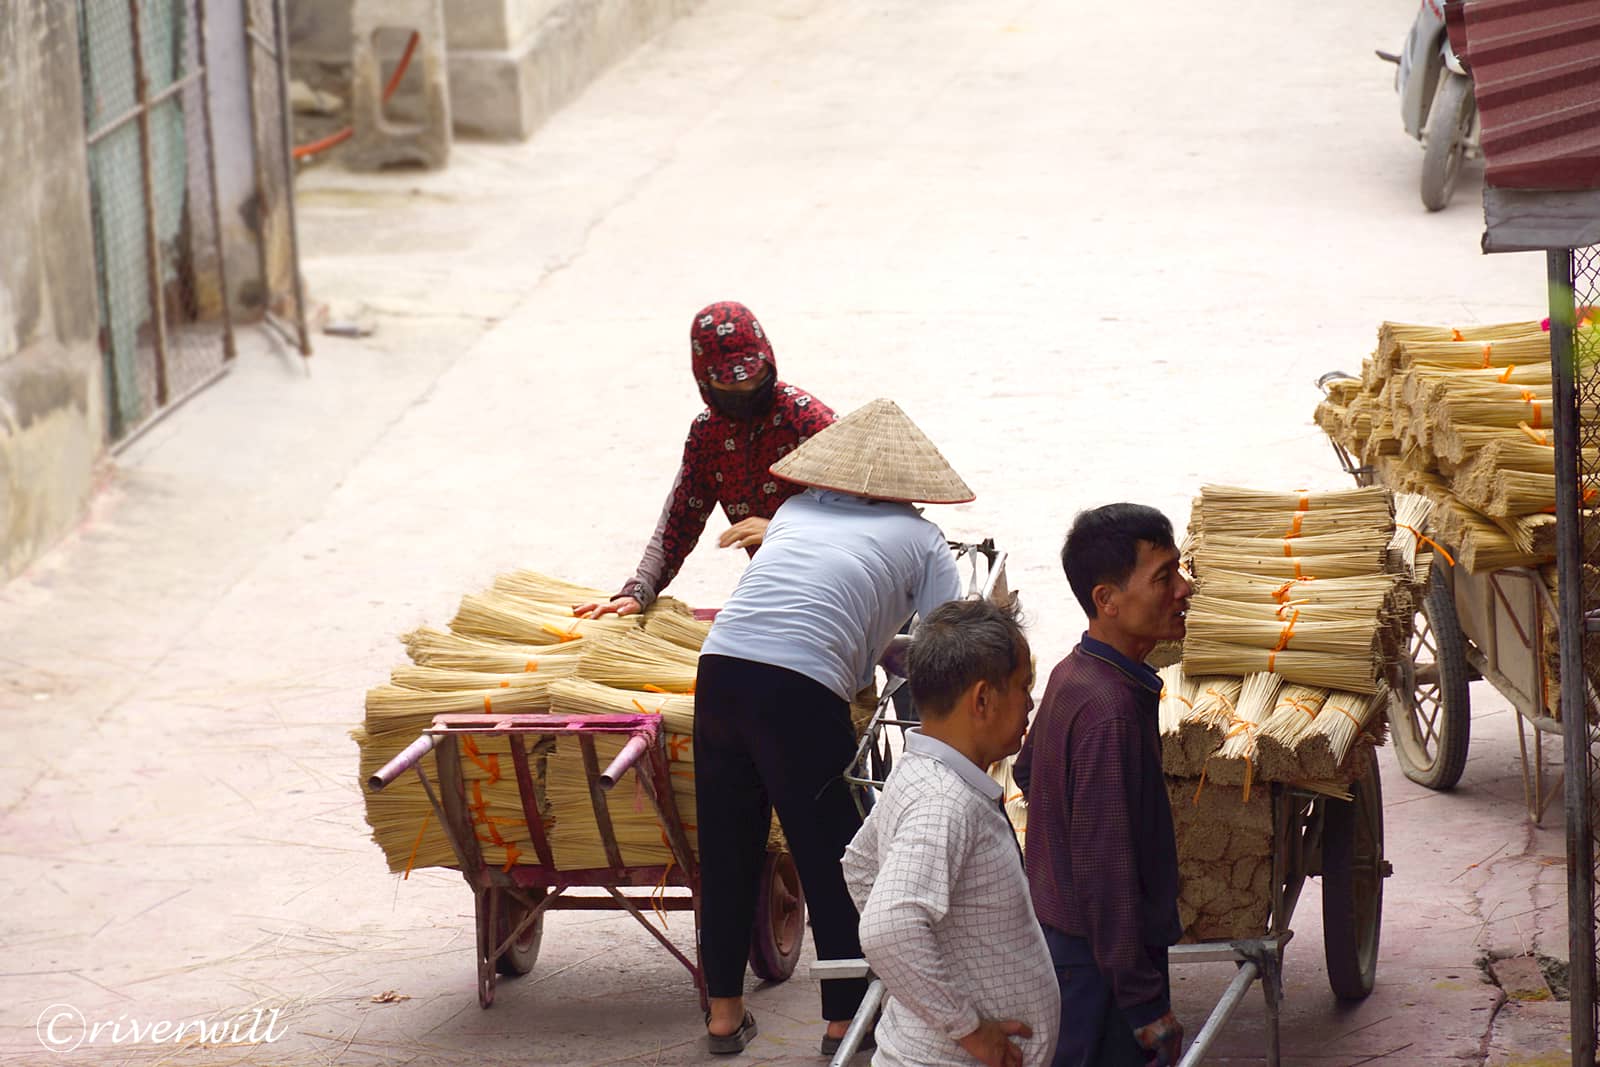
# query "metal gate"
(1575, 357)
(270, 120)
(166, 327)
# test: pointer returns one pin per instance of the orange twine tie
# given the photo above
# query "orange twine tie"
(1425, 539)
(412, 859)
(491, 766)
(1506, 377)
(1538, 437)
(1455, 335)
(1488, 347)
(1342, 710)
(1290, 702)
(1527, 396)
(562, 635)
(1283, 641)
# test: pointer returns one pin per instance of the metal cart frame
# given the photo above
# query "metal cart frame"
(510, 902)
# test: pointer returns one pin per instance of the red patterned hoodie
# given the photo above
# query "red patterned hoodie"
(725, 459)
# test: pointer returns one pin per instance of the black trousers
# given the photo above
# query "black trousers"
(1094, 1032)
(767, 737)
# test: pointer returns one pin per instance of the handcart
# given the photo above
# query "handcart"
(1491, 625)
(511, 901)
(1314, 835)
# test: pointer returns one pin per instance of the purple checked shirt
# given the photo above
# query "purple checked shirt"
(1101, 856)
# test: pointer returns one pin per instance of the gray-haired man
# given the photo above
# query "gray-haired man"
(946, 920)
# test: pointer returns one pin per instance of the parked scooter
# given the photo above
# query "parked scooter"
(1436, 103)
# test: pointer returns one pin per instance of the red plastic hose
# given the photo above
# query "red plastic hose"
(301, 151)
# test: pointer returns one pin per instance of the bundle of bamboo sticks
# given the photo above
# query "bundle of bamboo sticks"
(1261, 605)
(1234, 762)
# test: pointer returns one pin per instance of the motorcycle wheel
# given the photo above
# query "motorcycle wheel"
(1449, 124)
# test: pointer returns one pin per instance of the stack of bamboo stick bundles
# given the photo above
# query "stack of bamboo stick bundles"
(507, 650)
(1261, 602)
(1243, 731)
(1466, 417)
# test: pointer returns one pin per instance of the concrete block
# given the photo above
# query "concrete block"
(377, 141)
(506, 93)
(494, 24)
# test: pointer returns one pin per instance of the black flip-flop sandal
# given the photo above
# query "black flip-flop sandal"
(830, 1045)
(730, 1044)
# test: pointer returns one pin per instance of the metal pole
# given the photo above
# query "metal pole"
(152, 240)
(1232, 997)
(230, 348)
(252, 42)
(281, 35)
(1574, 708)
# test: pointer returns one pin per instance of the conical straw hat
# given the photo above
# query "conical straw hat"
(875, 451)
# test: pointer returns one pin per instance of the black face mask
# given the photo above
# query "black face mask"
(752, 405)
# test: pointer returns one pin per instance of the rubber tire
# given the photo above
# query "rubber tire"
(778, 933)
(1353, 870)
(1449, 125)
(522, 956)
(1440, 769)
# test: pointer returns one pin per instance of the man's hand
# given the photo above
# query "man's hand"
(746, 533)
(1164, 1037)
(619, 606)
(991, 1042)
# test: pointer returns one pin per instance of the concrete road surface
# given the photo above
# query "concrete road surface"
(1098, 252)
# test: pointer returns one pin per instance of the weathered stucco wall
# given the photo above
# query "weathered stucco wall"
(513, 63)
(51, 389)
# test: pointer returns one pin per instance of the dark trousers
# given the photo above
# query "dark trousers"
(1094, 1032)
(767, 737)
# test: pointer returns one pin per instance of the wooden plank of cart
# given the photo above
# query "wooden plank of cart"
(511, 901)
(1491, 625)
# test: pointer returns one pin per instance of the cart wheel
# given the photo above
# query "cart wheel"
(520, 957)
(1353, 870)
(780, 924)
(1430, 710)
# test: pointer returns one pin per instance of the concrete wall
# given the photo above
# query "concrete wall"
(512, 62)
(51, 380)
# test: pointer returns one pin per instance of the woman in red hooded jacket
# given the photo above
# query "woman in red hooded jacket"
(751, 421)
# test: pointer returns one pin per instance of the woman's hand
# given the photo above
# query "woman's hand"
(620, 606)
(746, 533)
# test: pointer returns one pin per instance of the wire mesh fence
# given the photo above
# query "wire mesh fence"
(269, 115)
(165, 326)
(1575, 350)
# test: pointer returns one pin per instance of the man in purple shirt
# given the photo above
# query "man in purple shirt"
(1102, 860)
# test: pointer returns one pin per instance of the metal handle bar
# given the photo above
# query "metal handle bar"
(401, 763)
(636, 746)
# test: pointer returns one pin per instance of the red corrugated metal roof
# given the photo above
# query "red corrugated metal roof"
(1536, 76)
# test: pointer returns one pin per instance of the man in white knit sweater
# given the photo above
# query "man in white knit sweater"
(946, 920)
